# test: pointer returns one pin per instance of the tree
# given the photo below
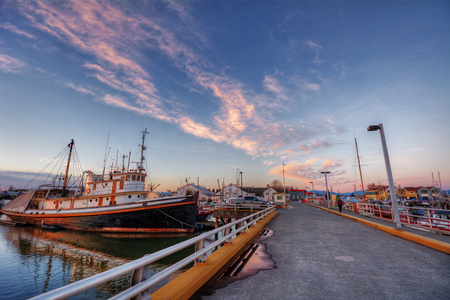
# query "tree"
(11, 188)
(370, 186)
(276, 184)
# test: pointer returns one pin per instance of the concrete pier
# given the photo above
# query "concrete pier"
(320, 255)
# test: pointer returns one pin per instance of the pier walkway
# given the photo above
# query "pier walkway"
(321, 255)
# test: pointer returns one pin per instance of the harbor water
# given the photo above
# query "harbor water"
(35, 260)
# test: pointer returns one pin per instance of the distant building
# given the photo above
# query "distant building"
(257, 191)
(409, 193)
(382, 192)
(203, 193)
(233, 190)
(269, 193)
(298, 195)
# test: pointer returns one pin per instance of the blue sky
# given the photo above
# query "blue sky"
(227, 85)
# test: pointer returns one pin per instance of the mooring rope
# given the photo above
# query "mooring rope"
(175, 218)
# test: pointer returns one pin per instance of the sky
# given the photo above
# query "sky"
(229, 86)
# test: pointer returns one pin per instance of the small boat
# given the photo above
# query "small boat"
(204, 212)
(115, 202)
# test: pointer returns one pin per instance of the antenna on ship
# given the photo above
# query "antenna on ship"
(64, 191)
(143, 148)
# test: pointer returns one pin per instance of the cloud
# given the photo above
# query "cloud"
(313, 45)
(311, 87)
(78, 89)
(310, 170)
(308, 148)
(119, 43)
(16, 30)
(10, 64)
(316, 48)
(272, 85)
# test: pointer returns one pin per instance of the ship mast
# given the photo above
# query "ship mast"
(360, 174)
(67, 168)
(141, 164)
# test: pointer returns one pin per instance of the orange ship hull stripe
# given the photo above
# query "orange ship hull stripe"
(68, 215)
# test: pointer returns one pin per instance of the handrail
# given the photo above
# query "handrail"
(408, 216)
(139, 264)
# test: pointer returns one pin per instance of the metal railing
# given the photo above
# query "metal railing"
(139, 283)
(242, 205)
(432, 219)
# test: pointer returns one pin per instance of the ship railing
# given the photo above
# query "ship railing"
(108, 190)
(432, 219)
(205, 244)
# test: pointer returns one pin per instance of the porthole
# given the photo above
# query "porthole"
(139, 196)
(90, 200)
(96, 200)
(129, 196)
(107, 199)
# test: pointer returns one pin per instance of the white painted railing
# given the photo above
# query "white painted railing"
(432, 219)
(139, 283)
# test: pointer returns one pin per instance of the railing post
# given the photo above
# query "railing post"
(226, 232)
(138, 276)
(429, 219)
(199, 246)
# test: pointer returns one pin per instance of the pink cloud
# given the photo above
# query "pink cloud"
(16, 30)
(10, 64)
(310, 170)
(113, 39)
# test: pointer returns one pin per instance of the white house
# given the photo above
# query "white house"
(204, 194)
(233, 190)
(269, 194)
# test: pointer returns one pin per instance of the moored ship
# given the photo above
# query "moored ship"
(115, 202)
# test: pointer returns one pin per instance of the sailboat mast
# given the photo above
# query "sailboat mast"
(68, 164)
(360, 174)
(284, 184)
(141, 164)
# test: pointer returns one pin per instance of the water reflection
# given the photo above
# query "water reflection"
(34, 260)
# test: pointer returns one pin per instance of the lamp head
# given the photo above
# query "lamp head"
(373, 127)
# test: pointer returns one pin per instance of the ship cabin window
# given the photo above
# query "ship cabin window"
(94, 186)
(142, 178)
(128, 177)
(133, 177)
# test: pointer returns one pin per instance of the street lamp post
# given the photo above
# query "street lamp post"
(241, 185)
(326, 185)
(314, 195)
(306, 195)
(389, 173)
